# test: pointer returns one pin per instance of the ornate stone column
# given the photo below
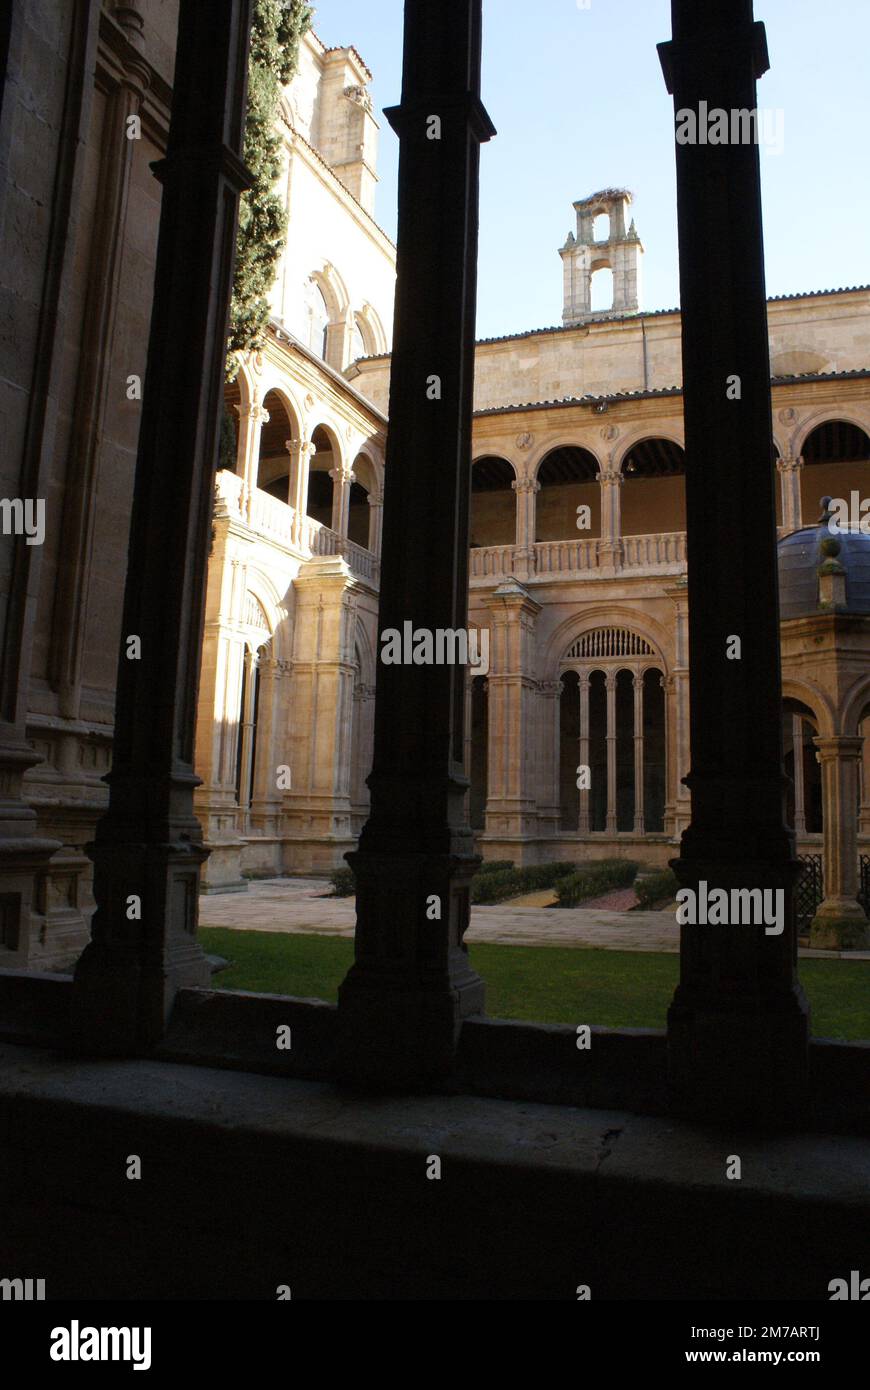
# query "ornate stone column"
(584, 823)
(402, 1005)
(790, 470)
(611, 822)
(342, 479)
(301, 452)
(864, 814)
(678, 808)
(638, 753)
(149, 844)
(252, 418)
(610, 547)
(840, 923)
(738, 1025)
(526, 490)
(376, 519)
(797, 739)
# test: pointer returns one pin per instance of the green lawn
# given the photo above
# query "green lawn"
(545, 984)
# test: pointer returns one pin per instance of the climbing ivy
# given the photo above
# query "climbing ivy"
(276, 29)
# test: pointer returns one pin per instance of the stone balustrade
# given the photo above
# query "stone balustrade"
(277, 521)
(576, 557)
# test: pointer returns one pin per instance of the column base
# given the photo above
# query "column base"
(401, 1007)
(127, 978)
(840, 925)
(744, 1068)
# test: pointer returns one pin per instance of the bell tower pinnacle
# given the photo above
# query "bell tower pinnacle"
(620, 251)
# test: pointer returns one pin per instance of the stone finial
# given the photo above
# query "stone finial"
(832, 575)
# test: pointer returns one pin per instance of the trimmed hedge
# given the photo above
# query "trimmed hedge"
(593, 880)
(494, 866)
(488, 888)
(343, 883)
(655, 888)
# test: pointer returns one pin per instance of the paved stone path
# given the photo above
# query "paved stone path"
(301, 905)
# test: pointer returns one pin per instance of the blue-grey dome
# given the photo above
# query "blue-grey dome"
(800, 555)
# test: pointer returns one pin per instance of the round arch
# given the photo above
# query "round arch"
(855, 707)
(260, 590)
(493, 519)
(569, 440)
(805, 692)
(653, 498)
(826, 416)
(568, 502)
(599, 615)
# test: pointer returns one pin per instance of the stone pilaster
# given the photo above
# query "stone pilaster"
(512, 695)
(317, 807)
(96, 367)
(268, 754)
(403, 1002)
(840, 922)
(148, 847)
(738, 1025)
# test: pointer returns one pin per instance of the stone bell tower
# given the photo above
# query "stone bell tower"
(620, 251)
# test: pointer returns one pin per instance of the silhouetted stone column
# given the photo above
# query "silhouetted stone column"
(148, 846)
(402, 1004)
(738, 1025)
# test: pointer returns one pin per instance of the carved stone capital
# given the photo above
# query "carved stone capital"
(610, 476)
(525, 485)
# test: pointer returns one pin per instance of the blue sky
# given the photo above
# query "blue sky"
(580, 104)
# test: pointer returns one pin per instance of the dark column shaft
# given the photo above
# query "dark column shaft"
(738, 1024)
(402, 1001)
(149, 844)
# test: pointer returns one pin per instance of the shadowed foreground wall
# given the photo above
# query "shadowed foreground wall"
(252, 1182)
